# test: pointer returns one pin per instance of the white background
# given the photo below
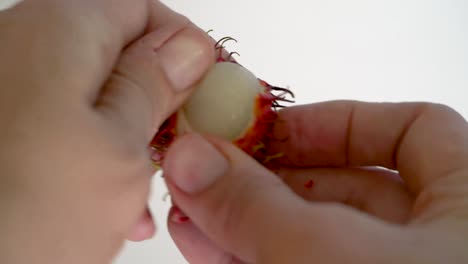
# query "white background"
(373, 50)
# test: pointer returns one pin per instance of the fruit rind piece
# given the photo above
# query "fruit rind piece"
(254, 100)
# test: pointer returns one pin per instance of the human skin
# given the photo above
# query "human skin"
(84, 87)
(85, 84)
(414, 211)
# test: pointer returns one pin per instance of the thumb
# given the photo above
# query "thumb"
(248, 211)
(232, 199)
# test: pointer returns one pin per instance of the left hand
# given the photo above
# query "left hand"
(84, 87)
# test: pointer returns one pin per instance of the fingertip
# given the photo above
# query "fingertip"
(192, 243)
(145, 228)
(185, 57)
(194, 164)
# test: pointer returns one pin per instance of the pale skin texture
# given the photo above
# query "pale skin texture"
(84, 86)
(78, 110)
(243, 213)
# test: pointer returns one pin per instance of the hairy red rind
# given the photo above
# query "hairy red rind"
(256, 140)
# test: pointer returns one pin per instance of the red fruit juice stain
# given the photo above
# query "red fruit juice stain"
(309, 184)
(184, 219)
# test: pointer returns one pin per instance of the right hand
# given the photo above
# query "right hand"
(415, 213)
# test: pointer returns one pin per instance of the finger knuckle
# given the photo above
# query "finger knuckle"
(439, 110)
(444, 197)
(234, 209)
(241, 206)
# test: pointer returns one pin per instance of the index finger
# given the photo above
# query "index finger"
(422, 141)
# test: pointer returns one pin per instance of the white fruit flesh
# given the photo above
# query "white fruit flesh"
(223, 104)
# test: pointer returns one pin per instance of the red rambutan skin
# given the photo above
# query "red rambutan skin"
(163, 139)
(255, 141)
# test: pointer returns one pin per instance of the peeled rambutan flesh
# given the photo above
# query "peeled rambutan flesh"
(231, 103)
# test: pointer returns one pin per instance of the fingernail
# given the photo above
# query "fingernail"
(197, 164)
(185, 57)
(178, 217)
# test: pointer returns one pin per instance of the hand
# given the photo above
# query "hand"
(84, 87)
(416, 212)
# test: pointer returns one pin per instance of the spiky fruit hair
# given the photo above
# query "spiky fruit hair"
(231, 103)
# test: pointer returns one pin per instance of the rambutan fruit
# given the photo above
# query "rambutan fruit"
(231, 103)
